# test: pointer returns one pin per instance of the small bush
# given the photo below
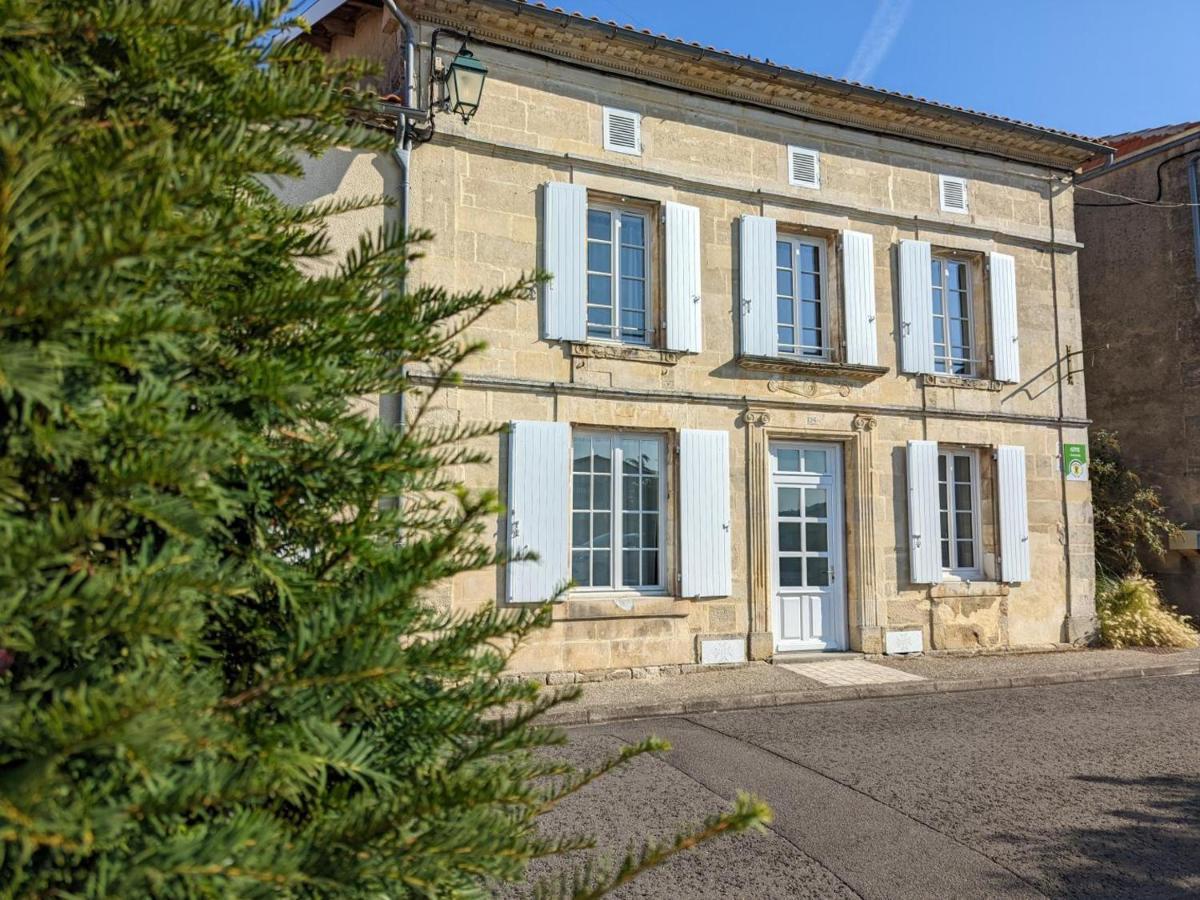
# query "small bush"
(1132, 614)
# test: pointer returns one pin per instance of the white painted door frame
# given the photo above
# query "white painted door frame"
(817, 616)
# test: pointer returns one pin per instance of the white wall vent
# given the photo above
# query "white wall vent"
(954, 193)
(804, 167)
(622, 131)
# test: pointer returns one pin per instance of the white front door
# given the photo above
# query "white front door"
(807, 572)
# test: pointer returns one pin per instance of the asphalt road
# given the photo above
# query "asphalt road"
(1081, 790)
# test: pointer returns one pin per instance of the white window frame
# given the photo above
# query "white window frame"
(972, 361)
(955, 572)
(616, 511)
(796, 241)
(615, 336)
(943, 180)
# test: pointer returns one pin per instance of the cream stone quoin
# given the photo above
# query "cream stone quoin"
(783, 392)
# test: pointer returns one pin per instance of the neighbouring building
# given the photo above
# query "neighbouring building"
(799, 381)
(1138, 217)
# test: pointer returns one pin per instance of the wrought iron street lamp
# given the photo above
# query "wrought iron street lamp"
(464, 84)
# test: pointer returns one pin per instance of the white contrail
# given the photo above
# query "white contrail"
(885, 25)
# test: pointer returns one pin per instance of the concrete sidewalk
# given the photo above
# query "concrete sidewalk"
(763, 684)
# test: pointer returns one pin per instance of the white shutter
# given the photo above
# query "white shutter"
(1014, 514)
(916, 307)
(758, 286)
(858, 274)
(705, 547)
(684, 311)
(539, 483)
(622, 131)
(1007, 352)
(564, 238)
(804, 167)
(924, 520)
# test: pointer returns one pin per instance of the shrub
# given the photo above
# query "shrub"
(1131, 613)
(1130, 519)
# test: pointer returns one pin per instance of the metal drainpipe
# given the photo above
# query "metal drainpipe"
(391, 406)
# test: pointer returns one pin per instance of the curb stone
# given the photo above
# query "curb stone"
(887, 690)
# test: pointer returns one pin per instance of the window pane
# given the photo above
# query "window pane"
(581, 529)
(633, 294)
(966, 555)
(633, 230)
(650, 457)
(962, 468)
(787, 460)
(630, 493)
(789, 537)
(810, 258)
(629, 530)
(601, 526)
(964, 526)
(818, 571)
(958, 276)
(789, 501)
(783, 282)
(599, 256)
(633, 322)
(650, 493)
(650, 530)
(581, 494)
(811, 338)
(650, 568)
(787, 336)
(602, 455)
(962, 497)
(946, 563)
(942, 468)
(791, 571)
(815, 461)
(583, 454)
(601, 569)
(810, 315)
(633, 261)
(958, 305)
(631, 570)
(784, 310)
(938, 308)
(810, 287)
(599, 224)
(815, 501)
(816, 534)
(601, 492)
(936, 272)
(783, 255)
(939, 332)
(580, 569)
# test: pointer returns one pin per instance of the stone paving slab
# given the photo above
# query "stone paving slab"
(762, 684)
(850, 672)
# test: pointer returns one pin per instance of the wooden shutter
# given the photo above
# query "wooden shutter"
(564, 230)
(705, 547)
(1003, 283)
(858, 275)
(539, 481)
(1014, 514)
(916, 307)
(924, 520)
(758, 286)
(684, 309)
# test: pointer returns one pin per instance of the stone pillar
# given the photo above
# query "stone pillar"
(871, 608)
(758, 468)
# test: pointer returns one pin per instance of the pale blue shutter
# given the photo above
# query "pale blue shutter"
(684, 309)
(1007, 352)
(858, 274)
(705, 547)
(758, 286)
(539, 481)
(1014, 514)
(564, 257)
(924, 520)
(916, 307)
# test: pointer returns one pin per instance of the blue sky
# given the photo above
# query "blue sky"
(1097, 68)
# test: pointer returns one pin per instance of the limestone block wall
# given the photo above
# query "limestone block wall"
(478, 189)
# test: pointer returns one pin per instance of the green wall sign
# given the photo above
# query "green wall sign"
(1075, 462)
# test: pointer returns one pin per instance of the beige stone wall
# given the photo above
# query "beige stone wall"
(477, 189)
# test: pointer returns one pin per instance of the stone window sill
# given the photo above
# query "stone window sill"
(624, 351)
(819, 367)
(955, 381)
(948, 589)
(620, 606)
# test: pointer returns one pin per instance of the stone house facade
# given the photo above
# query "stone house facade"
(798, 381)
(1143, 368)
